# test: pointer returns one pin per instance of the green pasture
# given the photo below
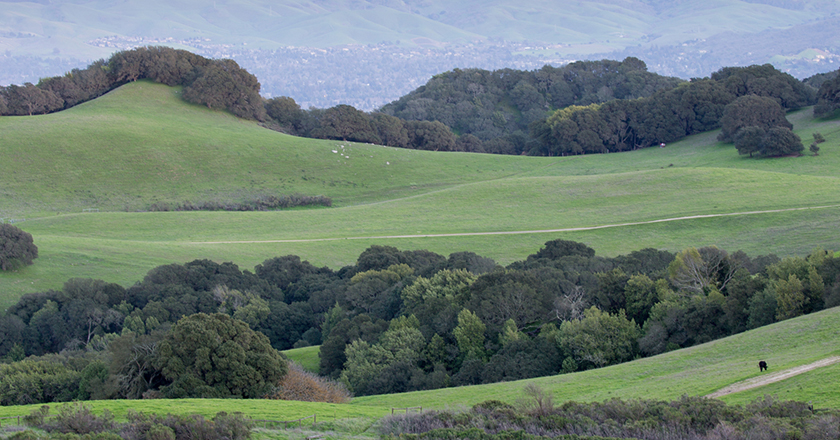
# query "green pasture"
(127, 261)
(141, 144)
(306, 357)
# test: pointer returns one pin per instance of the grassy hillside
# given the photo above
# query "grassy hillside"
(141, 144)
(693, 371)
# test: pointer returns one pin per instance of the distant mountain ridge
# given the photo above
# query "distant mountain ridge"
(675, 38)
(67, 28)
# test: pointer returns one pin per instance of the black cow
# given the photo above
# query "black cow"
(762, 366)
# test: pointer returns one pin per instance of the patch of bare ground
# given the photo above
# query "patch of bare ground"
(769, 378)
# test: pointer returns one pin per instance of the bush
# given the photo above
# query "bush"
(16, 247)
(78, 418)
(160, 432)
(36, 417)
(299, 384)
(258, 203)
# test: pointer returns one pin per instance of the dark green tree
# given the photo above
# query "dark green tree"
(285, 111)
(425, 135)
(751, 111)
(780, 141)
(749, 140)
(828, 97)
(31, 100)
(132, 371)
(224, 85)
(217, 356)
(600, 338)
(390, 130)
(17, 248)
(347, 123)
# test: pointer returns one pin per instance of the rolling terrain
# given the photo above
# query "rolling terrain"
(694, 371)
(140, 144)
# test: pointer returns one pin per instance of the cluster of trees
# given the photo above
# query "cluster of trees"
(688, 417)
(218, 84)
(212, 356)
(347, 123)
(666, 116)
(17, 247)
(405, 320)
(498, 106)
(828, 96)
(581, 108)
(757, 124)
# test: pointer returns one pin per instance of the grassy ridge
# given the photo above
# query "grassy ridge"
(162, 149)
(692, 371)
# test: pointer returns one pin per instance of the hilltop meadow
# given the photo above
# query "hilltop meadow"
(82, 179)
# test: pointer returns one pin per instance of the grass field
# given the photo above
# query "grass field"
(307, 357)
(160, 149)
(693, 371)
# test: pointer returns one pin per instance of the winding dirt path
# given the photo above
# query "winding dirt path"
(767, 379)
(536, 231)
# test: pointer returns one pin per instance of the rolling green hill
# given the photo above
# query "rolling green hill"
(141, 144)
(694, 371)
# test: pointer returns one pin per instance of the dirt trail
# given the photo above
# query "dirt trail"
(536, 231)
(766, 379)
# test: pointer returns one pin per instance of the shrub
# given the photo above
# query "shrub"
(36, 417)
(79, 418)
(299, 384)
(25, 435)
(258, 203)
(160, 432)
(232, 426)
(16, 247)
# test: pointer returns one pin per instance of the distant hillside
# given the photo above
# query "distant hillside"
(675, 38)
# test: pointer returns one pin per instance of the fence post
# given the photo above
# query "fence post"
(314, 419)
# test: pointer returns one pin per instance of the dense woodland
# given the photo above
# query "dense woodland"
(394, 321)
(581, 108)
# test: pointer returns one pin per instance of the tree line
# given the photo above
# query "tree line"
(219, 84)
(398, 320)
(581, 108)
